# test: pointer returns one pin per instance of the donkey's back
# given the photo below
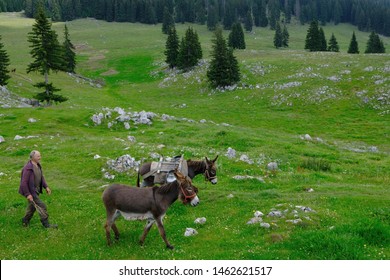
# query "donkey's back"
(128, 199)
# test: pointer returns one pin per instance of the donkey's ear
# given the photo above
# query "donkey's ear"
(214, 160)
(207, 159)
(178, 175)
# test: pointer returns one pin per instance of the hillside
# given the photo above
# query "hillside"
(322, 117)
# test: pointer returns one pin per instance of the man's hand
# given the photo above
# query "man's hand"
(48, 190)
(30, 198)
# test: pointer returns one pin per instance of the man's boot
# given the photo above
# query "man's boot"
(25, 222)
(46, 224)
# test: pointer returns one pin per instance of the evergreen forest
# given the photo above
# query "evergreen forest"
(367, 15)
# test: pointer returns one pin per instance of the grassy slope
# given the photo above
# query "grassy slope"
(351, 201)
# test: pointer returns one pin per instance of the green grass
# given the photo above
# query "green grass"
(289, 93)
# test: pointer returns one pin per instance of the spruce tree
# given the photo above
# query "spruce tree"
(278, 37)
(212, 18)
(190, 51)
(312, 42)
(333, 45)
(353, 45)
(285, 37)
(69, 56)
(236, 38)
(323, 47)
(223, 70)
(172, 47)
(249, 21)
(374, 44)
(4, 63)
(47, 54)
(168, 21)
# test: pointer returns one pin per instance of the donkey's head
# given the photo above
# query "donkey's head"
(187, 191)
(211, 170)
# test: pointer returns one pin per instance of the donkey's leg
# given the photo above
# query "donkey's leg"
(113, 226)
(162, 231)
(111, 216)
(147, 228)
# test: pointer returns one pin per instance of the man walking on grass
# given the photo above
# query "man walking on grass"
(31, 184)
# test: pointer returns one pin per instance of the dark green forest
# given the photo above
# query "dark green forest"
(367, 15)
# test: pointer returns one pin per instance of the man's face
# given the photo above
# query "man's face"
(36, 157)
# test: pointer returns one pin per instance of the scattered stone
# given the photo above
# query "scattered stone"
(272, 166)
(265, 225)
(307, 137)
(109, 176)
(246, 159)
(2, 139)
(304, 208)
(96, 157)
(275, 213)
(230, 196)
(296, 221)
(161, 146)
(131, 139)
(18, 137)
(231, 153)
(127, 125)
(123, 163)
(32, 120)
(309, 189)
(254, 220)
(258, 214)
(190, 232)
(200, 221)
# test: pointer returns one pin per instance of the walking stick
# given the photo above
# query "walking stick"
(40, 210)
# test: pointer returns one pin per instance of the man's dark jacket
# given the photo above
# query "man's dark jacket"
(27, 185)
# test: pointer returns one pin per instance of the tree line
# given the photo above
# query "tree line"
(367, 15)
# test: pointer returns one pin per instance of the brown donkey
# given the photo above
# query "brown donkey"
(206, 167)
(148, 204)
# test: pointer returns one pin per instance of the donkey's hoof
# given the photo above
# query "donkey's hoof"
(170, 247)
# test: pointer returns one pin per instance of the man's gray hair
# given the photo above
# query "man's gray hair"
(32, 153)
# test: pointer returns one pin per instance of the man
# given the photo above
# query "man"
(31, 184)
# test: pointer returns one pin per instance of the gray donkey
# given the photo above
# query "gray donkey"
(148, 204)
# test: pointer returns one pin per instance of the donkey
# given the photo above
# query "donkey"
(206, 167)
(148, 204)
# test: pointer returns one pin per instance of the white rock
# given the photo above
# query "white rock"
(32, 120)
(307, 137)
(258, 214)
(200, 220)
(296, 221)
(254, 220)
(272, 166)
(230, 196)
(2, 139)
(109, 176)
(96, 157)
(265, 225)
(231, 153)
(18, 137)
(190, 232)
(131, 139)
(275, 213)
(127, 125)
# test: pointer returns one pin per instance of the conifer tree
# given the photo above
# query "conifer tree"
(47, 54)
(249, 21)
(69, 56)
(168, 21)
(285, 37)
(312, 42)
(374, 44)
(236, 38)
(190, 51)
(172, 47)
(353, 45)
(212, 18)
(4, 63)
(333, 45)
(223, 70)
(322, 43)
(278, 37)
(263, 22)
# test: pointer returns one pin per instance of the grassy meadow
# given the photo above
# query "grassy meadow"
(342, 101)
